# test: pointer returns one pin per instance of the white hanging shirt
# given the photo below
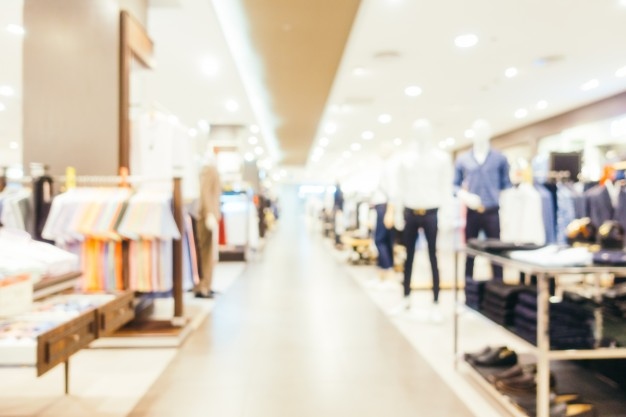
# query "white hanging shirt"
(521, 215)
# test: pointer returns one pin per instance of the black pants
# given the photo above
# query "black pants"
(415, 220)
(488, 222)
(383, 238)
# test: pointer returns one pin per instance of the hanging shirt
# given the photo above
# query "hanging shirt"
(565, 212)
(486, 180)
(548, 213)
(521, 215)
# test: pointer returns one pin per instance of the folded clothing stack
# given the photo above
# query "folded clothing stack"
(614, 302)
(474, 291)
(571, 322)
(499, 302)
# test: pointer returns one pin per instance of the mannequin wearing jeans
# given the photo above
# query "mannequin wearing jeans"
(480, 174)
(384, 235)
(424, 185)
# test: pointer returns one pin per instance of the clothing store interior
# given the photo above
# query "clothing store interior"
(257, 208)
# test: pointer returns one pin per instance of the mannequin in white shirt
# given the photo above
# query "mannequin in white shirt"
(424, 183)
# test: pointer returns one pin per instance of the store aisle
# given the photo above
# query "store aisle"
(295, 336)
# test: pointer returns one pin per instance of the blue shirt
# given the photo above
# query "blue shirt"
(485, 180)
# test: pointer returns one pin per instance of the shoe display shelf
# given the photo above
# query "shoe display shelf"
(546, 358)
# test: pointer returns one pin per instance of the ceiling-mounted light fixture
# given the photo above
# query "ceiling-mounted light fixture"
(324, 141)
(253, 140)
(7, 91)
(330, 128)
(232, 105)
(384, 118)
(367, 135)
(511, 72)
(13, 145)
(259, 150)
(15, 29)
(590, 85)
(193, 132)
(413, 91)
(469, 133)
(541, 105)
(397, 141)
(254, 129)
(621, 73)
(210, 67)
(521, 113)
(355, 146)
(249, 156)
(467, 40)
(204, 125)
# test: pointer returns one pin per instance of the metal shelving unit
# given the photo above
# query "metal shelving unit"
(542, 351)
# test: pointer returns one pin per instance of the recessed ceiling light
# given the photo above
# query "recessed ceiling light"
(413, 91)
(13, 145)
(318, 151)
(249, 156)
(384, 118)
(316, 158)
(276, 176)
(450, 141)
(7, 91)
(330, 128)
(521, 113)
(541, 105)
(397, 141)
(232, 106)
(466, 41)
(210, 67)
(259, 150)
(15, 29)
(622, 3)
(254, 129)
(590, 85)
(193, 132)
(173, 119)
(620, 73)
(283, 173)
(355, 146)
(442, 144)
(511, 72)
(324, 141)
(2, 107)
(469, 133)
(346, 154)
(359, 71)
(204, 125)
(253, 140)
(367, 135)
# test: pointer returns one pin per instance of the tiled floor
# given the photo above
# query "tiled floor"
(295, 336)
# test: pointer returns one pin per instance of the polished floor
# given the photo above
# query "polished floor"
(296, 336)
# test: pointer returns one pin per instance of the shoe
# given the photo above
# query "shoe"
(521, 385)
(500, 357)
(512, 372)
(404, 307)
(470, 357)
(558, 403)
(580, 410)
(201, 295)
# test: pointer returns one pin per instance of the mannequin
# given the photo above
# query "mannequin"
(480, 174)
(423, 185)
(209, 214)
(384, 231)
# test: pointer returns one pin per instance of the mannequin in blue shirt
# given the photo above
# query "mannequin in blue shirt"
(479, 176)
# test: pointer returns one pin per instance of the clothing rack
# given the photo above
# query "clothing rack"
(177, 203)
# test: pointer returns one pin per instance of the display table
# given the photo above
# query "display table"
(57, 327)
(542, 351)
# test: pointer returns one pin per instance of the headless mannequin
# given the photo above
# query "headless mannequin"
(480, 175)
(208, 215)
(384, 231)
(424, 184)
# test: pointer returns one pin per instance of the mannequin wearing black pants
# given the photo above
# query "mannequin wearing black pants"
(427, 221)
(383, 238)
(487, 220)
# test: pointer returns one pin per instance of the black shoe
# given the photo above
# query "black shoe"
(201, 295)
(499, 357)
(471, 357)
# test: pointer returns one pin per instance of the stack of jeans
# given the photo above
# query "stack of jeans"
(499, 302)
(571, 322)
(474, 291)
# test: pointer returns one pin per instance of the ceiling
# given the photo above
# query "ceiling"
(307, 70)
